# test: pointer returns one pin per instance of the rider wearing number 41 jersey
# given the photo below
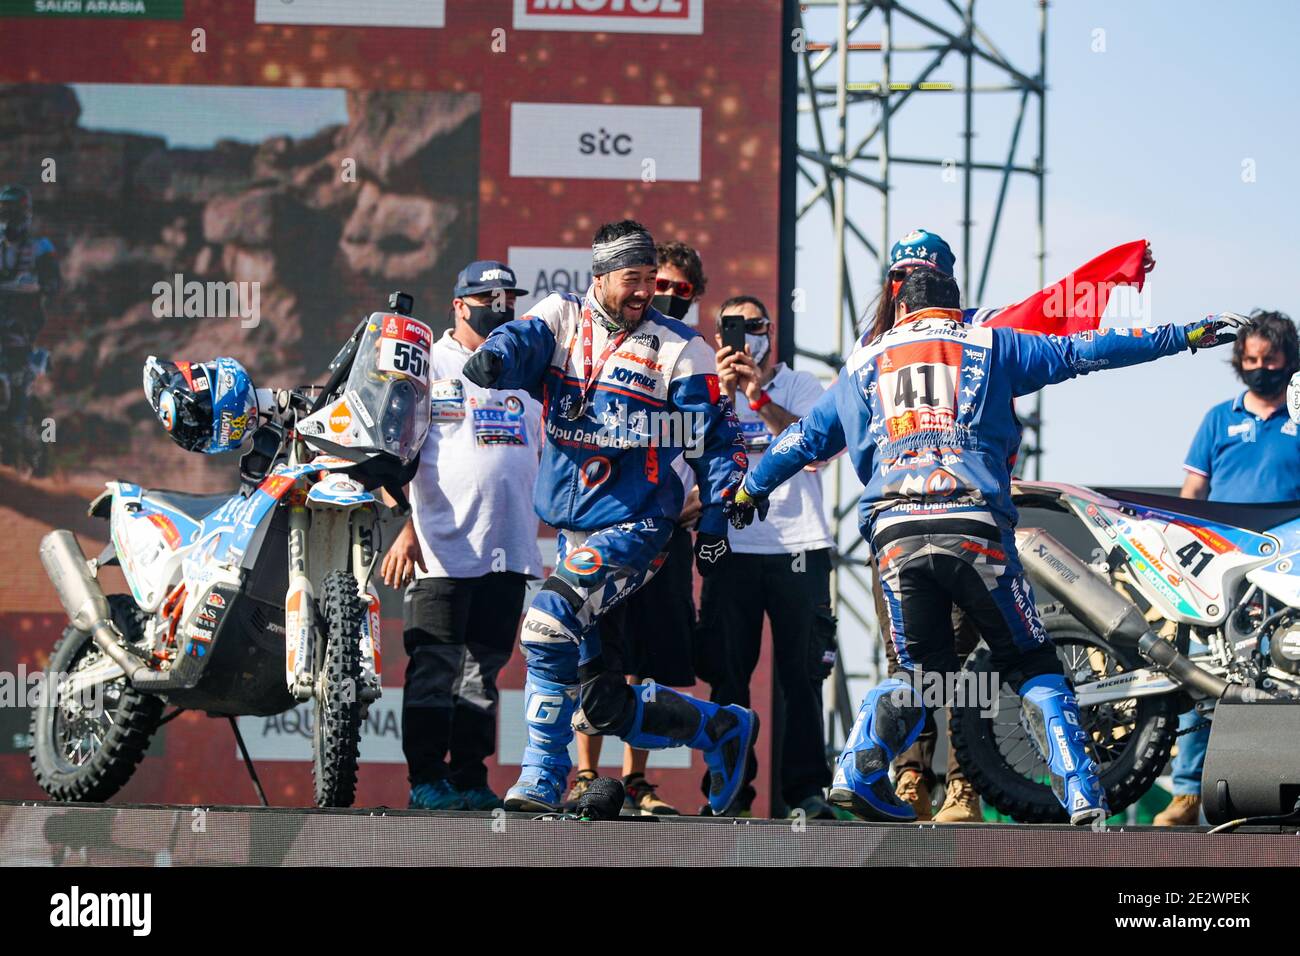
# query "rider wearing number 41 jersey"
(925, 413)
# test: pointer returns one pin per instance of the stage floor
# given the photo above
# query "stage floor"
(45, 834)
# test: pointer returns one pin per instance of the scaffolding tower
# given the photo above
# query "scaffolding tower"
(826, 162)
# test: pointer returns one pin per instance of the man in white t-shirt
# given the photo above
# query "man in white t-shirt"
(780, 566)
(466, 554)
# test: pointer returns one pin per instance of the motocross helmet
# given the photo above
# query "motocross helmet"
(208, 407)
(15, 212)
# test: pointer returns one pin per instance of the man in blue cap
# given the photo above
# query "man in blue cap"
(466, 554)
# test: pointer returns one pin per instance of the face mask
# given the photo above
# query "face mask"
(1266, 381)
(483, 318)
(758, 346)
(673, 306)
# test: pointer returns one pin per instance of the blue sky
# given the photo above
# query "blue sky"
(196, 116)
(1145, 139)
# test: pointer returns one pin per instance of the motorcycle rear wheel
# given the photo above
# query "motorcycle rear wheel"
(337, 728)
(84, 756)
(1129, 739)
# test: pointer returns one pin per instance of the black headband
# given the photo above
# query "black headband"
(625, 252)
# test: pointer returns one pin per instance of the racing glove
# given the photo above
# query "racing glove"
(710, 549)
(1215, 330)
(483, 368)
(741, 508)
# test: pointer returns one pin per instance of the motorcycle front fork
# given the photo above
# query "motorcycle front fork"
(338, 536)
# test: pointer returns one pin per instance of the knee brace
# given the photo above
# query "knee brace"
(549, 640)
(608, 704)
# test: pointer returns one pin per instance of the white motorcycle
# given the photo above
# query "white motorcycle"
(1167, 574)
(247, 603)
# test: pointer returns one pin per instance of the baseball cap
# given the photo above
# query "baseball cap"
(922, 248)
(486, 275)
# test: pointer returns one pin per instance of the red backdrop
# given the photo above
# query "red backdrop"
(730, 70)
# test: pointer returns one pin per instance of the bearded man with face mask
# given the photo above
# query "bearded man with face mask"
(625, 391)
(1247, 449)
(466, 554)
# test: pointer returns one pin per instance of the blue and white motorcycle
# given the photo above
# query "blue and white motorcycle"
(1184, 604)
(246, 603)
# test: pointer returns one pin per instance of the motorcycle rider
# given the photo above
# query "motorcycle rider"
(1045, 311)
(29, 278)
(609, 368)
(649, 636)
(925, 412)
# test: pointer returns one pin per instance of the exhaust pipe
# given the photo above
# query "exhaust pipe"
(86, 606)
(1086, 594)
(1092, 600)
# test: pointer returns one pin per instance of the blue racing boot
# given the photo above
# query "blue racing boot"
(436, 796)
(889, 721)
(548, 712)
(1050, 715)
(725, 734)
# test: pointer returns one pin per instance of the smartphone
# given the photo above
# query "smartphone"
(733, 332)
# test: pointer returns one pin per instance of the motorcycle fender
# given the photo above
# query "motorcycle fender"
(150, 548)
(339, 491)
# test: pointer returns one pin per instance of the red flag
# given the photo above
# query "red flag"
(1077, 301)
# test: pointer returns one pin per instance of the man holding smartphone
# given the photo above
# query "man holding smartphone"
(788, 557)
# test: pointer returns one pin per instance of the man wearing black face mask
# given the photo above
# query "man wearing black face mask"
(1247, 449)
(679, 281)
(466, 554)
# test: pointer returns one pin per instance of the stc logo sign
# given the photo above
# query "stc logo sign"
(593, 141)
(611, 16)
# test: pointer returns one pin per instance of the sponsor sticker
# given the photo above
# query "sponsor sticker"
(499, 422)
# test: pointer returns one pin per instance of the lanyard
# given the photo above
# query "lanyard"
(589, 373)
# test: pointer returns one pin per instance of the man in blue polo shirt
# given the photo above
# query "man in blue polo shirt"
(1247, 449)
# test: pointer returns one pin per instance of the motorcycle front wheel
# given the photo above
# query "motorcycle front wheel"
(85, 750)
(337, 732)
(1130, 740)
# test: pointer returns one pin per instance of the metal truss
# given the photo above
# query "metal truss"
(827, 162)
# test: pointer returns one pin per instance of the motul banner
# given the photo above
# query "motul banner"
(613, 16)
